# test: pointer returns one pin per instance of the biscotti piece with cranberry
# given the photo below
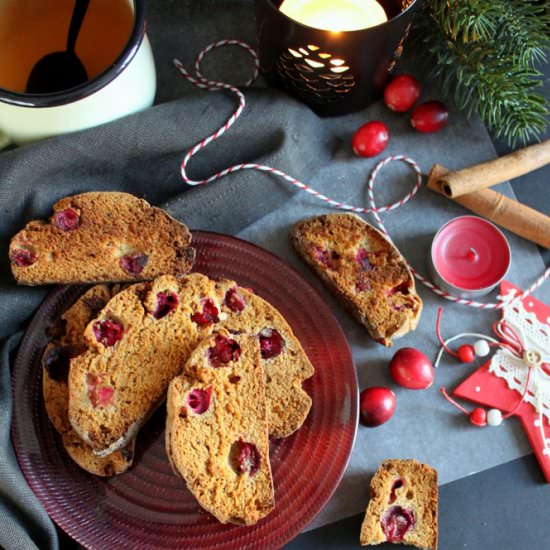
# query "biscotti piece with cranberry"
(364, 270)
(217, 429)
(101, 237)
(403, 505)
(284, 361)
(55, 370)
(69, 343)
(136, 345)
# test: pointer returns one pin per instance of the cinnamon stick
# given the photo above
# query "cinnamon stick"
(486, 174)
(508, 213)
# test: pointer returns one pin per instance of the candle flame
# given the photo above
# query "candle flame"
(335, 15)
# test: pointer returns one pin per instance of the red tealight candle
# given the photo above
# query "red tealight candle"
(470, 256)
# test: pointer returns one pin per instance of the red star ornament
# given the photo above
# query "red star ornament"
(484, 388)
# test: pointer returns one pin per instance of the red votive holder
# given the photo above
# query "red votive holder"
(469, 257)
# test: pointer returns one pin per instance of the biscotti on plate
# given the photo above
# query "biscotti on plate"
(139, 341)
(217, 428)
(403, 505)
(55, 369)
(364, 270)
(284, 361)
(144, 335)
(101, 237)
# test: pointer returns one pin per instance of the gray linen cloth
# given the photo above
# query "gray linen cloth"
(141, 154)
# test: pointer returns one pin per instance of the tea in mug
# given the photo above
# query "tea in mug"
(31, 29)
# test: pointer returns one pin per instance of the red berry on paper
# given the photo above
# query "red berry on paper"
(429, 117)
(401, 93)
(411, 369)
(376, 405)
(466, 353)
(371, 139)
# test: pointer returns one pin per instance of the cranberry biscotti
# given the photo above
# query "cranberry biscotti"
(55, 370)
(403, 505)
(364, 270)
(284, 361)
(217, 428)
(144, 335)
(101, 237)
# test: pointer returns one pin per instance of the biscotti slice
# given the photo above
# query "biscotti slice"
(284, 361)
(217, 431)
(136, 345)
(58, 353)
(364, 270)
(403, 505)
(55, 369)
(101, 237)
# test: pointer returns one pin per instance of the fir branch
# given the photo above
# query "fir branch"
(485, 53)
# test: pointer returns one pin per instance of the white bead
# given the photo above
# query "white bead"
(494, 417)
(481, 348)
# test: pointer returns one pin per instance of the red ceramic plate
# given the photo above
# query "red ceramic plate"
(148, 506)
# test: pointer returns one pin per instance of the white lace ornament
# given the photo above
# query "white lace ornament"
(513, 370)
(535, 340)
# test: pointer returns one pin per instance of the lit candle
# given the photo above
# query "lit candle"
(335, 15)
(470, 256)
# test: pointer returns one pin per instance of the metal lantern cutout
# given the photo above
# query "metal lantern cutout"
(334, 72)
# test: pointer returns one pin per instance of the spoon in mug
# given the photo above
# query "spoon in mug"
(61, 70)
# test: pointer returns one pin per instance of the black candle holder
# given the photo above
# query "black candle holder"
(332, 72)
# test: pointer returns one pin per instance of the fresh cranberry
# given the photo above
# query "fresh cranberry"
(223, 351)
(397, 484)
(234, 300)
(133, 264)
(209, 313)
(248, 458)
(429, 117)
(167, 302)
(411, 369)
(107, 332)
(396, 521)
(199, 400)
(57, 361)
(23, 257)
(66, 220)
(371, 139)
(271, 343)
(377, 405)
(401, 93)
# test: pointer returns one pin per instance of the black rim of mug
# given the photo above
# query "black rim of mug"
(91, 86)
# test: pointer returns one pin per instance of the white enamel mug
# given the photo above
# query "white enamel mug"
(126, 86)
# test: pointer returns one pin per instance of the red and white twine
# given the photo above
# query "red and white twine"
(212, 85)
